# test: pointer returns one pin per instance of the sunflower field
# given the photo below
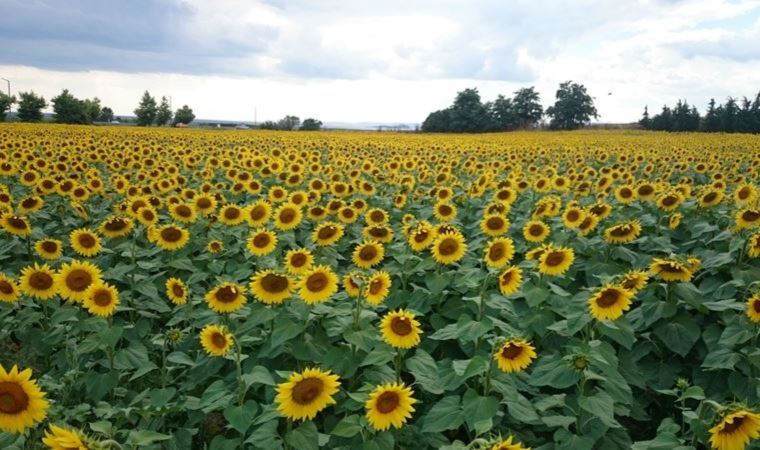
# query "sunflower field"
(191, 289)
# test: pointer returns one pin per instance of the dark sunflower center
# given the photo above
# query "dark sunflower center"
(178, 290)
(536, 230)
(744, 193)
(203, 203)
(78, 280)
(17, 223)
(496, 252)
(756, 306)
(401, 326)
(327, 232)
(378, 232)
(670, 200)
(387, 402)
(87, 240)
(49, 246)
(751, 216)
(227, 294)
(377, 216)
(554, 259)
(573, 215)
(306, 390)
(102, 298)
(6, 288)
(171, 234)
(646, 190)
(317, 282)
(626, 193)
(672, 268)
(511, 351)
(147, 214)
(621, 231)
(375, 287)
(219, 340)
(183, 211)
(13, 398)
(421, 236)
(608, 298)
(287, 215)
(40, 281)
(367, 253)
(261, 240)
(448, 246)
(494, 223)
(29, 203)
(506, 278)
(231, 213)
(274, 283)
(733, 426)
(710, 197)
(298, 260)
(115, 225)
(348, 213)
(445, 210)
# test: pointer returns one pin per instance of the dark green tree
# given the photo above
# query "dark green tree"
(745, 120)
(106, 114)
(311, 125)
(289, 123)
(437, 122)
(468, 114)
(729, 116)
(268, 125)
(646, 121)
(504, 114)
(5, 105)
(756, 114)
(711, 121)
(163, 113)
(573, 107)
(184, 115)
(664, 120)
(527, 107)
(30, 106)
(146, 111)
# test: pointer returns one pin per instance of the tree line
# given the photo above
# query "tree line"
(734, 116)
(290, 123)
(573, 108)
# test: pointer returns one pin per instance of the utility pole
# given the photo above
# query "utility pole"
(10, 105)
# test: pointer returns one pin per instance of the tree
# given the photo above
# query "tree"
(311, 125)
(164, 113)
(146, 110)
(268, 125)
(106, 114)
(711, 121)
(437, 121)
(30, 106)
(573, 107)
(527, 107)
(184, 115)
(5, 105)
(468, 114)
(729, 116)
(289, 123)
(664, 120)
(646, 121)
(91, 109)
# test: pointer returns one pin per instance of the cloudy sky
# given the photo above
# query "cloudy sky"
(381, 61)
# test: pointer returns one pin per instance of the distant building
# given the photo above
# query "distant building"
(242, 126)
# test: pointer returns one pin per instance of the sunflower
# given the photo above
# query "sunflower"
(9, 289)
(306, 393)
(16, 225)
(216, 340)
(116, 226)
(376, 216)
(745, 193)
(622, 233)
(317, 285)
(588, 224)
(271, 287)
(625, 194)
(226, 298)
(734, 431)
(327, 233)
(400, 329)
(85, 242)
(352, 288)
(711, 198)
(205, 204)
(101, 299)
(215, 246)
(261, 242)
(30, 204)
(170, 237)
(670, 270)
(499, 252)
(59, 438)
(556, 260)
(377, 288)
(390, 405)
(670, 201)
(753, 245)
(22, 403)
(675, 220)
(422, 236)
(449, 247)
(297, 261)
(147, 216)
(287, 216)
(634, 280)
(494, 225)
(573, 216)
(510, 280)
(74, 278)
(753, 308)
(231, 215)
(49, 249)
(177, 291)
(368, 254)
(536, 231)
(514, 355)
(509, 444)
(610, 302)
(183, 212)
(38, 281)
(747, 218)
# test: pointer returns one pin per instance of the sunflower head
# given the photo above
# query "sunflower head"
(510, 280)
(317, 285)
(670, 270)
(16, 225)
(49, 249)
(74, 278)
(753, 308)
(85, 242)
(271, 287)
(216, 340)
(390, 405)
(449, 247)
(368, 254)
(60, 438)
(734, 430)
(226, 298)
(514, 355)
(297, 261)
(101, 299)
(306, 393)
(9, 289)
(610, 302)
(556, 260)
(38, 281)
(499, 252)
(177, 291)
(327, 233)
(22, 402)
(261, 242)
(400, 329)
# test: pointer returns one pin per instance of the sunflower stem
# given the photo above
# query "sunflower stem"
(29, 248)
(397, 364)
(487, 382)
(239, 372)
(288, 428)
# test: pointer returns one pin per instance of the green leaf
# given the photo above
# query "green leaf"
(425, 371)
(722, 358)
(265, 436)
(479, 411)
(240, 417)
(305, 437)
(260, 375)
(554, 371)
(348, 427)
(558, 421)
(436, 282)
(600, 405)
(679, 335)
(146, 437)
(446, 414)
(284, 330)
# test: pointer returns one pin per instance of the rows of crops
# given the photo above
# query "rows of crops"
(199, 289)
